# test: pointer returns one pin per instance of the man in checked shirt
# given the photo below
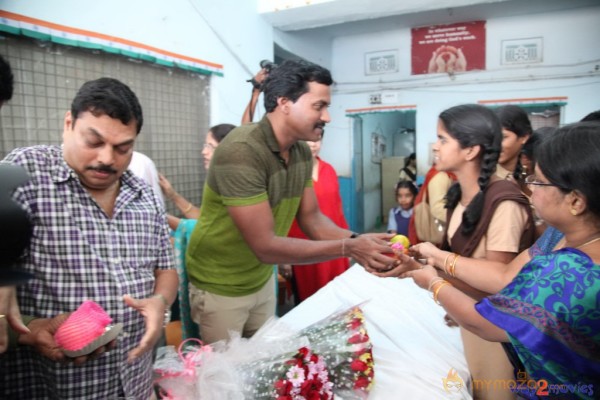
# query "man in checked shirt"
(99, 233)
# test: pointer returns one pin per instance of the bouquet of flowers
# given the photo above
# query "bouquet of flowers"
(331, 357)
(344, 343)
(303, 376)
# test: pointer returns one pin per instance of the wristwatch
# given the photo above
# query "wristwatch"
(167, 308)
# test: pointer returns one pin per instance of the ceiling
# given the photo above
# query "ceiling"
(346, 17)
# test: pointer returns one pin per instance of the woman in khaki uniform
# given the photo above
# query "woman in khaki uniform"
(487, 218)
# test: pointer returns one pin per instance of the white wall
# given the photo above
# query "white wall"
(571, 56)
(227, 32)
(310, 45)
(232, 33)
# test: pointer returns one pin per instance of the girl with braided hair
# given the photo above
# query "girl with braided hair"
(488, 218)
(516, 131)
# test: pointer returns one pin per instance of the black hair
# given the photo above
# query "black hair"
(474, 125)
(6, 80)
(569, 159)
(593, 116)
(534, 140)
(108, 96)
(407, 185)
(515, 119)
(290, 80)
(529, 147)
(411, 157)
(220, 131)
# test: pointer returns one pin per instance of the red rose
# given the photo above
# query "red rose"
(317, 385)
(306, 387)
(358, 338)
(358, 365)
(355, 323)
(283, 387)
(361, 382)
(314, 395)
(362, 351)
(303, 351)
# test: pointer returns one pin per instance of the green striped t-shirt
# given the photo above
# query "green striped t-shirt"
(246, 169)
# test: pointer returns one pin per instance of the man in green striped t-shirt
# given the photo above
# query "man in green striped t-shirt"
(259, 180)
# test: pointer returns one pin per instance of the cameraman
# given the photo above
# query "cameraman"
(257, 80)
(9, 308)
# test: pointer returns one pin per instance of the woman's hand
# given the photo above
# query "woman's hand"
(422, 277)
(426, 251)
(166, 187)
(403, 264)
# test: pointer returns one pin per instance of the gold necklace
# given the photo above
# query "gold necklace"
(581, 245)
(588, 242)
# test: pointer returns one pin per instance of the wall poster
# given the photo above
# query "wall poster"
(448, 48)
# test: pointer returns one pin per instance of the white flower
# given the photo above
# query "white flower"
(295, 375)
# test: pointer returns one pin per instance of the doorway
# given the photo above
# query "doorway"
(381, 141)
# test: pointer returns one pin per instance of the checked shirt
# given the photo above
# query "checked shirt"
(77, 252)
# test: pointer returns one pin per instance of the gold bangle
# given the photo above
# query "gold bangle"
(453, 267)
(433, 282)
(189, 207)
(446, 262)
(436, 292)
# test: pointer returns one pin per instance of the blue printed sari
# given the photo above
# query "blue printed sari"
(189, 329)
(181, 236)
(546, 243)
(550, 313)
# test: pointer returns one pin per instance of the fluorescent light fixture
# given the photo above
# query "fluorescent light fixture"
(265, 6)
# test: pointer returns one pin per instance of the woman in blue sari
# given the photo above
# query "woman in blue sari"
(549, 312)
(182, 230)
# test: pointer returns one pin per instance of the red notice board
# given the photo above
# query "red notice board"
(448, 48)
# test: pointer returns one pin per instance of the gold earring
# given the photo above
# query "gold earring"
(573, 212)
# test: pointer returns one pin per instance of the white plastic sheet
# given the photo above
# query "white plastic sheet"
(413, 348)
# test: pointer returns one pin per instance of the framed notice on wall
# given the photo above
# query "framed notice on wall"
(448, 48)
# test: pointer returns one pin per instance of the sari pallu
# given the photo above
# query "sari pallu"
(181, 236)
(550, 313)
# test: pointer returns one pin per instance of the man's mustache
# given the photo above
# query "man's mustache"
(103, 168)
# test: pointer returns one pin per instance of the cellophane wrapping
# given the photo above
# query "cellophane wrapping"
(330, 358)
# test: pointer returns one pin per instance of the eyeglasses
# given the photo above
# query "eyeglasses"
(209, 146)
(533, 180)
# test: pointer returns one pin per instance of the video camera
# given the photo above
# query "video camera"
(15, 228)
(268, 65)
